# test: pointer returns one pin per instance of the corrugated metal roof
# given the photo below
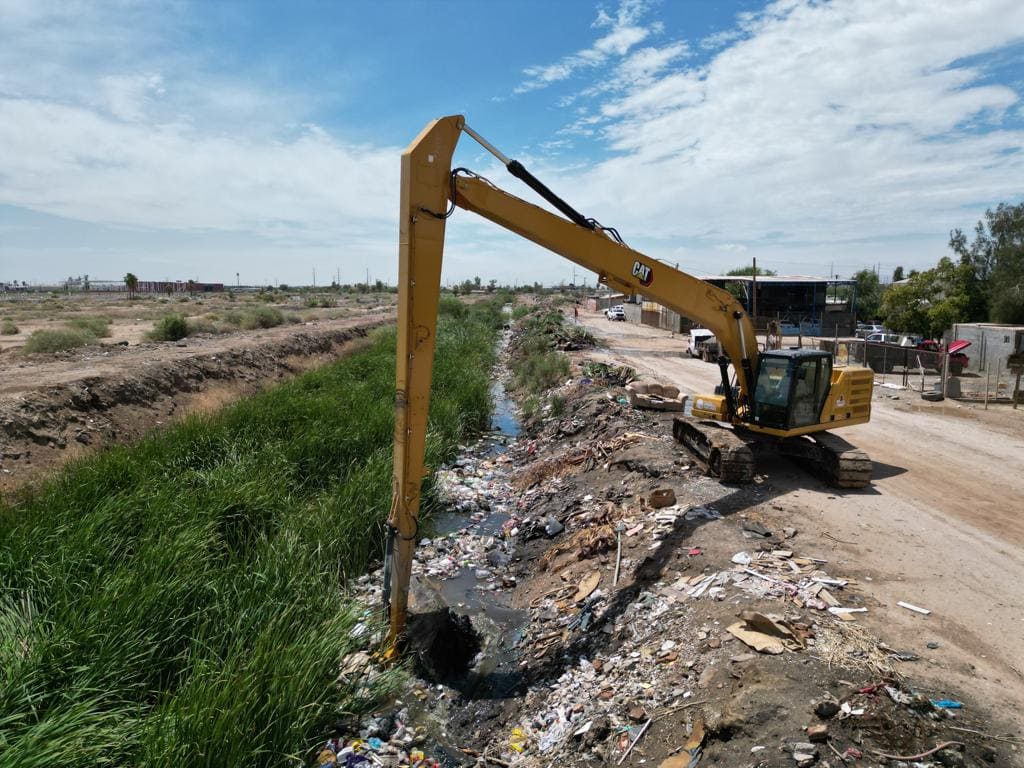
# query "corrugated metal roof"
(776, 279)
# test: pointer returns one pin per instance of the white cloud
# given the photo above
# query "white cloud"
(625, 32)
(99, 125)
(837, 124)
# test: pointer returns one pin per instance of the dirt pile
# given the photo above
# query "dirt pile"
(43, 427)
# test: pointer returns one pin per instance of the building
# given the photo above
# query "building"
(804, 305)
(991, 344)
(598, 302)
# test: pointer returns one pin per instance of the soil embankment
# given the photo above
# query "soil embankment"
(54, 408)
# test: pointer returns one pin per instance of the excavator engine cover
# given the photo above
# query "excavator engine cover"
(710, 407)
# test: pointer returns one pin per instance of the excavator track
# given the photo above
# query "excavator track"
(722, 452)
(825, 454)
(844, 465)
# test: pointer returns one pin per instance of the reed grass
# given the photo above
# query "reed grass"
(181, 601)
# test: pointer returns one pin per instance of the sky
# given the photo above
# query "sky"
(260, 141)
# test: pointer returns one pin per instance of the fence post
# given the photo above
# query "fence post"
(986, 387)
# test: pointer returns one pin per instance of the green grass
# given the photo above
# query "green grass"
(535, 362)
(8, 328)
(169, 328)
(97, 326)
(58, 340)
(181, 602)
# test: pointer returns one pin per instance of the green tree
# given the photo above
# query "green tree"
(749, 271)
(869, 293)
(897, 274)
(996, 257)
(931, 301)
(190, 286)
(131, 282)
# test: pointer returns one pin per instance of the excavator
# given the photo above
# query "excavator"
(785, 399)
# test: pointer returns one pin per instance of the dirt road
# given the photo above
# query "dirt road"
(941, 526)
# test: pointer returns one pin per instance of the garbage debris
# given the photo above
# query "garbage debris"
(662, 497)
(628, 616)
(765, 635)
(913, 608)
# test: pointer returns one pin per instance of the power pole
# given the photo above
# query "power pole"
(314, 277)
(753, 294)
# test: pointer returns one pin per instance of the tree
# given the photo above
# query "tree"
(749, 271)
(996, 257)
(190, 286)
(131, 282)
(491, 285)
(897, 274)
(931, 301)
(869, 293)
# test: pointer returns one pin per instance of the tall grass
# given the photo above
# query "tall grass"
(97, 326)
(181, 602)
(58, 340)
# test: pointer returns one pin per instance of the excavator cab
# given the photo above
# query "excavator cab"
(791, 388)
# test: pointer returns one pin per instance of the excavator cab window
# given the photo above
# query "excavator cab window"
(791, 388)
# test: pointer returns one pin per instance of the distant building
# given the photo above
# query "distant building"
(598, 302)
(811, 306)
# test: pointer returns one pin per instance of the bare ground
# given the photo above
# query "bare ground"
(940, 527)
(56, 407)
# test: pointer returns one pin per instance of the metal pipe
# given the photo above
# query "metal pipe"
(485, 144)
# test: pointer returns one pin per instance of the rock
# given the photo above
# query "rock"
(552, 527)
(950, 758)
(933, 645)
(817, 733)
(637, 714)
(826, 709)
(757, 529)
(803, 752)
(789, 533)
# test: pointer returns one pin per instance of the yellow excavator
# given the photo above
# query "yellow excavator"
(785, 399)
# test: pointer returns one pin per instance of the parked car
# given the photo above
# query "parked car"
(867, 329)
(615, 313)
(883, 337)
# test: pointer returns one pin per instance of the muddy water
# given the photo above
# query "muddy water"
(499, 624)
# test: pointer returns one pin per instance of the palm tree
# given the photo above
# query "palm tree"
(190, 286)
(131, 282)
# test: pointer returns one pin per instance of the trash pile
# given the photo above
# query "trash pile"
(640, 643)
(387, 740)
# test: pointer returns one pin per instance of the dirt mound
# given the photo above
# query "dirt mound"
(149, 387)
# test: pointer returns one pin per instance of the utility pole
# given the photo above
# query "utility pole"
(314, 277)
(753, 294)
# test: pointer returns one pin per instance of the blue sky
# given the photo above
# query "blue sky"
(200, 140)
